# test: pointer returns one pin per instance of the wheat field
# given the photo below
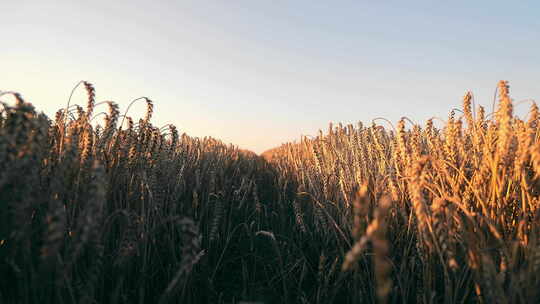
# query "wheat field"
(122, 211)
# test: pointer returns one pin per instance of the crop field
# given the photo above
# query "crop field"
(100, 207)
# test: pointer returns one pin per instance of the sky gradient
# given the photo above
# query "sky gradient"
(261, 73)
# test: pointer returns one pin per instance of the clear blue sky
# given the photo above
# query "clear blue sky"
(259, 73)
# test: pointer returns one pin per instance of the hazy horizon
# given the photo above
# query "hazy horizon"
(258, 75)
